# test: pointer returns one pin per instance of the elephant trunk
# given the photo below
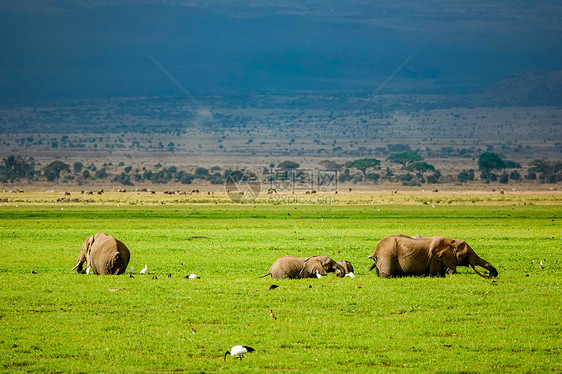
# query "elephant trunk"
(339, 270)
(79, 267)
(486, 265)
(79, 262)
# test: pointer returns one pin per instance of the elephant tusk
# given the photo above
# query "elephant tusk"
(479, 272)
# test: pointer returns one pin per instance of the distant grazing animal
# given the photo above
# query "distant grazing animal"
(304, 267)
(401, 255)
(104, 254)
(239, 351)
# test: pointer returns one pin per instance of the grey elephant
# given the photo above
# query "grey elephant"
(401, 255)
(348, 268)
(304, 267)
(103, 254)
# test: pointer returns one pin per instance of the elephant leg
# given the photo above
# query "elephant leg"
(436, 269)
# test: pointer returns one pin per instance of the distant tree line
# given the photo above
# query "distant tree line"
(412, 171)
(493, 168)
(14, 168)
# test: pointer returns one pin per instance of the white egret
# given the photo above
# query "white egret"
(318, 274)
(88, 270)
(144, 270)
(350, 274)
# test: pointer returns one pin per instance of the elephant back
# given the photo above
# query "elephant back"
(109, 255)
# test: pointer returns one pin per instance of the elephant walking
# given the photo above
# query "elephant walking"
(304, 267)
(401, 255)
(104, 255)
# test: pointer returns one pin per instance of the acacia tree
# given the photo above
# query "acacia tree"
(421, 167)
(363, 164)
(16, 167)
(331, 165)
(487, 163)
(288, 165)
(54, 169)
(550, 171)
(404, 158)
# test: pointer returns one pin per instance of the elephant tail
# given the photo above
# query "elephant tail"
(116, 266)
(374, 264)
(265, 275)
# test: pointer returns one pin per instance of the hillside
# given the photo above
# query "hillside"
(525, 89)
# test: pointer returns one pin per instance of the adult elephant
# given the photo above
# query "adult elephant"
(104, 254)
(401, 255)
(304, 267)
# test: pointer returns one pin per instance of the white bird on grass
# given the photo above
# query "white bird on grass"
(350, 274)
(238, 350)
(144, 270)
(88, 270)
(131, 273)
(318, 274)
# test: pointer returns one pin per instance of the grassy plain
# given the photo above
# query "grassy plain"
(59, 321)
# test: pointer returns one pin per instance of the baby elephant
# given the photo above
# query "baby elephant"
(304, 267)
(348, 268)
(104, 255)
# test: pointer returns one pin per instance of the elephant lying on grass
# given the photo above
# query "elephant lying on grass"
(348, 268)
(401, 255)
(304, 267)
(104, 254)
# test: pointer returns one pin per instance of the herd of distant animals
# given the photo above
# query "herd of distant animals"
(394, 256)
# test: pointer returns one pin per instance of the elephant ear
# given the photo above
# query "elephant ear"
(82, 255)
(87, 246)
(442, 250)
(313, 265)
(461, 252)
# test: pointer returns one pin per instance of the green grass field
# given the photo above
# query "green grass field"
(61, 321)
